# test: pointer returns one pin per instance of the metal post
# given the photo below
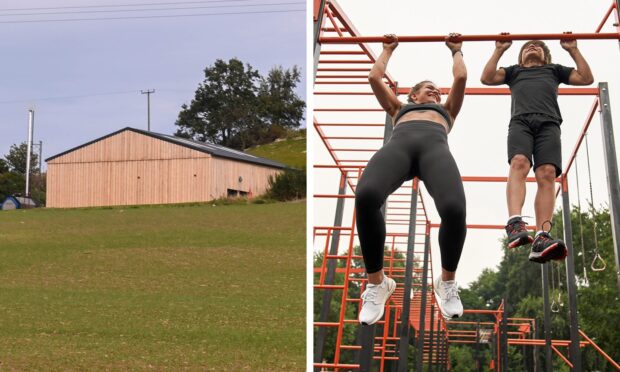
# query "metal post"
(611, 163)
(547, 315)
(439, 342)
(430, 338)
(504, 338)
(420, 347)
(29, 149)
(403, 342)
(388, 128)
(526, 363)
(477, 349)
(367, 337)
(494, 349)
(148, 93)
(318, 22)
(331, 272)
(574, 351)
(617, 24)
(535, 349)
(367, 332)
(40, 157)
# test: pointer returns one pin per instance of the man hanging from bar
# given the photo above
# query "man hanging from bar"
(534, 135)
(418, 148)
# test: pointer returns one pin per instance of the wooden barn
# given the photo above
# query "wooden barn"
(133, 166)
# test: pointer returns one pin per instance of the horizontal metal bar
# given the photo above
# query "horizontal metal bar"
(442, 38)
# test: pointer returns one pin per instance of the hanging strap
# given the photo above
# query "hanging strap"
(598, 263)
(583, 250)
(555, 307)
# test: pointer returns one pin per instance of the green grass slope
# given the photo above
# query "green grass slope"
(290, 151)
(198, 287)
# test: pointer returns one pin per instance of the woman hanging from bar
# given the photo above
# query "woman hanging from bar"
(418, 148)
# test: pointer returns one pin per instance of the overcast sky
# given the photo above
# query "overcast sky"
(478, 140)
(84, 77)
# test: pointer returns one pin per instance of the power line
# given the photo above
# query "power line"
(152, 17)
(151, 10)
(70, 97)
(122, 5)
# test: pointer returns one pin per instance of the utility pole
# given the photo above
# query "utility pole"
(148, 93)
(29, 149)
(40, 157)
(38, 147)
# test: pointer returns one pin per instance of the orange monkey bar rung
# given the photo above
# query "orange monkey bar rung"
(561, 356)
(342, 69)
(342, 52)
(597, 348)
(350, 125)
(442, 38)
(473, 91)
(483, 227)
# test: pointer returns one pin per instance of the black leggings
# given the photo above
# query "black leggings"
(417, 149)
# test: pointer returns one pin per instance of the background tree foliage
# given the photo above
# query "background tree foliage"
(287, 185)
(16, 159)
(13, 174)
(520, 283)
(237, 107)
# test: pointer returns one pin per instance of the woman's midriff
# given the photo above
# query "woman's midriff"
(429, 115)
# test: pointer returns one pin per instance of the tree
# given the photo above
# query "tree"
(224, 103)
(236, 107)
(4, 166)
(16, 159)
(279, 107)
(287, 185)
(11, 183)
(13, 174)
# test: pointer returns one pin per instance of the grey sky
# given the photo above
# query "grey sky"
(101, 66)
(478, 140)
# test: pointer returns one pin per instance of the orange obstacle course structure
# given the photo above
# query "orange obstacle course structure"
(342, 62)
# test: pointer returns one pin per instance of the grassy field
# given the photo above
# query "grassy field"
(198, 287)
(291, 151)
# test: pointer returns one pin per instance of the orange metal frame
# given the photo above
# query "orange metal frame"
(349, 72)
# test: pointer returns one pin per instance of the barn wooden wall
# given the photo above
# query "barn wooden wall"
(130, 168)
(225, 175)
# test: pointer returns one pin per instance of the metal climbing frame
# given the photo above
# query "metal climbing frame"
(412, 320)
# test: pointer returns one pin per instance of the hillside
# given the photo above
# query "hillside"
(290, 151)
(173, 287)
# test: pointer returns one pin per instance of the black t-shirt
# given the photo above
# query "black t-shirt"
(534, 90)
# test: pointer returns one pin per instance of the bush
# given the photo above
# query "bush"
(288, 185)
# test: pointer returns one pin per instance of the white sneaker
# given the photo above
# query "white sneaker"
(448, 298)
(373, 300)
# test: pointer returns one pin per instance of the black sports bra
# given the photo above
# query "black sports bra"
(424, 106)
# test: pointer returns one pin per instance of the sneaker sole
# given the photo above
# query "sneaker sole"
(522, 240)
(449, 318)
(391, 289)
(444, 315)
(558, 253)
(555, 251)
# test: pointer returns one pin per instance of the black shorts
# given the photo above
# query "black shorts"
(537, 136)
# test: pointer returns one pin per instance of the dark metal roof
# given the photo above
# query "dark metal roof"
(209, 148)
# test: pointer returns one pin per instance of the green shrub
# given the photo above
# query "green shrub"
(288, 185)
